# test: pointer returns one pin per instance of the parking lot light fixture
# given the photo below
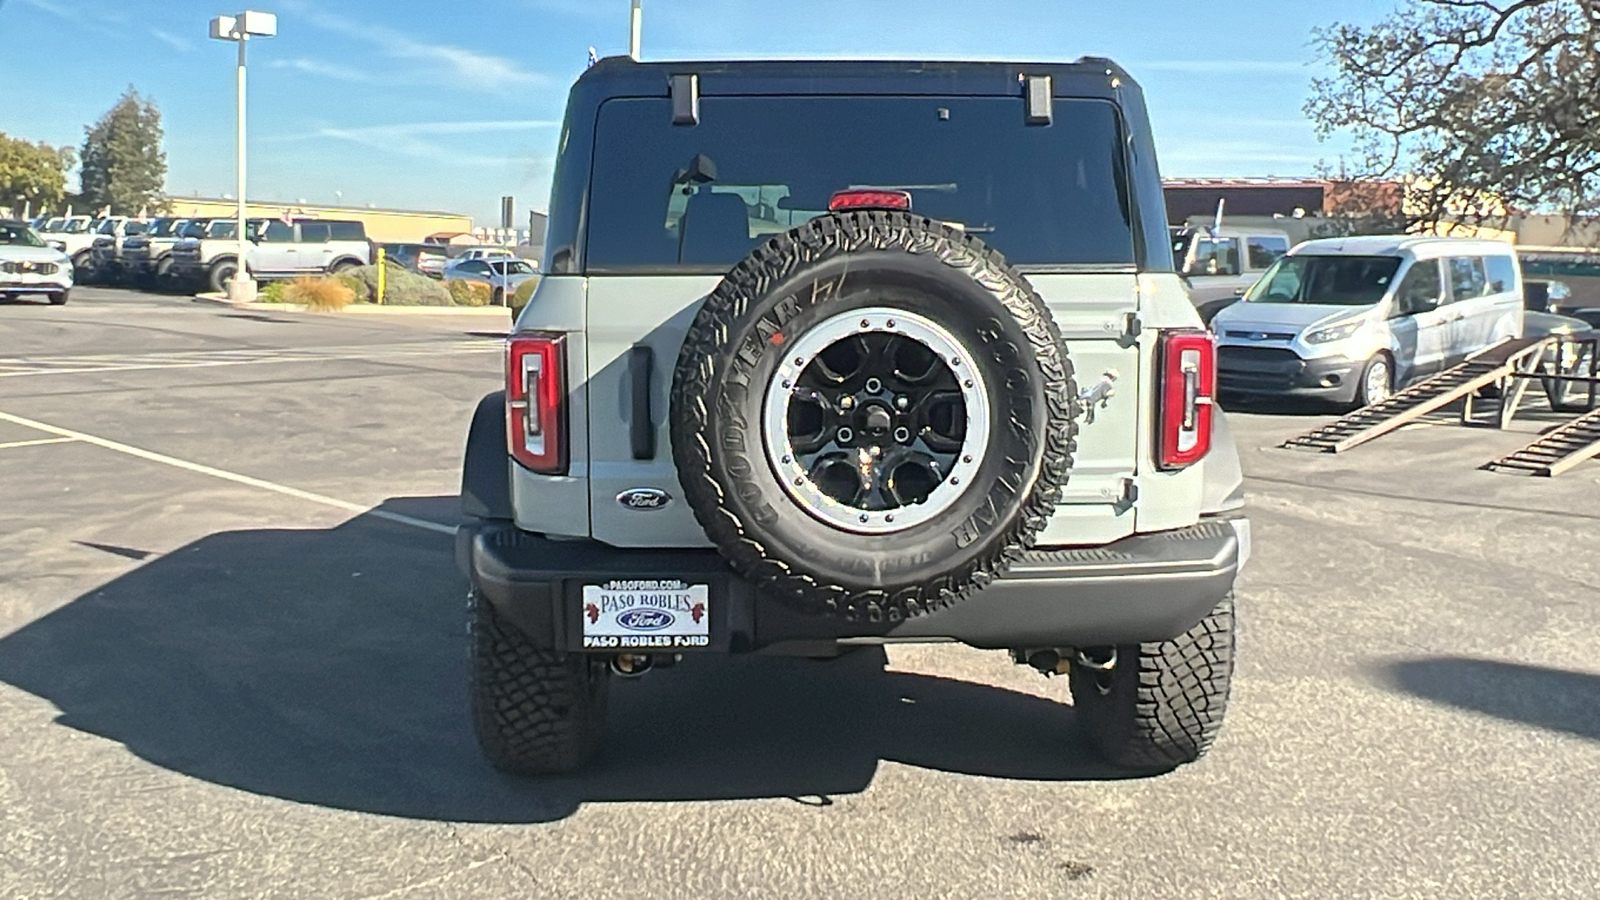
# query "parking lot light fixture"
(240, 29)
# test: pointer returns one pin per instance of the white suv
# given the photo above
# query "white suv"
(30, 266)
(827, 359)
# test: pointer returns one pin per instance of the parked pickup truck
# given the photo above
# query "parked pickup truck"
(276, 250)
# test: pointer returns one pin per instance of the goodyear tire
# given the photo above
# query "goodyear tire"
(535, 712)
(872, 415)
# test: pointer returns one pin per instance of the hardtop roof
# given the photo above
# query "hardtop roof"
(621, 76)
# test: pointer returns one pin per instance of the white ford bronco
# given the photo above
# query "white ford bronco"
(831, 355)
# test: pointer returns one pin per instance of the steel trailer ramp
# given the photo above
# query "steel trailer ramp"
(1555, 451)
(1426, 396)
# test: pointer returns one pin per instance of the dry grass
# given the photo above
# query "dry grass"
(319, 294)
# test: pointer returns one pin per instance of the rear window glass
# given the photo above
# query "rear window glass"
(1326, 280)
(347, 231)
(665, 196)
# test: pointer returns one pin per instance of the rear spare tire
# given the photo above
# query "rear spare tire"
(872, 415)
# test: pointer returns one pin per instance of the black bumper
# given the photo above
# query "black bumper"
(1143, 588)
(1281, 372)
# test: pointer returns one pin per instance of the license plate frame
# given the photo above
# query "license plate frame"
(671, 615)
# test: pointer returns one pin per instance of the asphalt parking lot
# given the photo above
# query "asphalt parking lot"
(233, 663)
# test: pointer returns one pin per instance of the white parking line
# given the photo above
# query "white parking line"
(67, 434)
(37, 443)
(19, 367)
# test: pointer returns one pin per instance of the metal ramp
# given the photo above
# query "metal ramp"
(1556, 451)
(1429, 395)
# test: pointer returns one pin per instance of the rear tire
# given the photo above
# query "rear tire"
(1162, 704)
(498, 298)
(535, 712)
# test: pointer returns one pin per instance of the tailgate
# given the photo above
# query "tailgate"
(655, 312)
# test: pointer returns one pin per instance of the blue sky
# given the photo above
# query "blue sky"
(449, 104)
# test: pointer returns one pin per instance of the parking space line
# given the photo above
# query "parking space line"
(37, 443)
(69, 435)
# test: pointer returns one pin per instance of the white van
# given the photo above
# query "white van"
(1351, 319)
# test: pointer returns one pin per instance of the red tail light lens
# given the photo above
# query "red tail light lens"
(869, 200)
(536, 401)
(1188, 397)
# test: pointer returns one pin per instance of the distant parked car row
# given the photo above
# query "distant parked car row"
(183, 254)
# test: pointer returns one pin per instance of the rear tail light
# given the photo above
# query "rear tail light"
(866, 199)
(1188, 394)
(536, 401)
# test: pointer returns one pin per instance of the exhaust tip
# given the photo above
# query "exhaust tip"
(631, 665)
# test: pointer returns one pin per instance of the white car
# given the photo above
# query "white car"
(29, 266)
(485, 253)
(503, 276)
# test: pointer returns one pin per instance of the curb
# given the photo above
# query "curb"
(362, 309)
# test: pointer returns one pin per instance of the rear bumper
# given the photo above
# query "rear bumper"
(1143, 588)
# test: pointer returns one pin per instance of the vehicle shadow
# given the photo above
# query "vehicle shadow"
(1552, 699)
(329, 667)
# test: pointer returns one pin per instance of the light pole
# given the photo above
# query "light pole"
(240, 29)
(635, 25)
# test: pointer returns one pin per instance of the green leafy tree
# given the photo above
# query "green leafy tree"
(1479, 107)
(124, 166)
(33, 175)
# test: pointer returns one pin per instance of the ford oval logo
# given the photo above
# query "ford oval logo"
(644, 498)
(645, 619)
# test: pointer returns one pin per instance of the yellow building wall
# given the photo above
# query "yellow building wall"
(384, 226)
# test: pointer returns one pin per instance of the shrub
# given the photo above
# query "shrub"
(469, 293)
(523, 295)
(356, 286)
(402, 288)
(319, 294)
(272, 292)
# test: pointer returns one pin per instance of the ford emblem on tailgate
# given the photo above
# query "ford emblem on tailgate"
(644, 498)
(645, 619)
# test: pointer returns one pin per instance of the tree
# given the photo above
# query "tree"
(123, 164)
(32, 174)
(1479, 107)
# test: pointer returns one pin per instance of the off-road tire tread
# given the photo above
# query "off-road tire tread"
(1177, 708)
(773, 262)
(535, 712)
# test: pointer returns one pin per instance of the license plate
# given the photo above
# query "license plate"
(664, 614)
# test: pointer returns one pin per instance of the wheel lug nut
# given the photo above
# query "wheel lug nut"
(865, 324)
(955, 481)
(847, 402)
(902, 403)
(965, 459)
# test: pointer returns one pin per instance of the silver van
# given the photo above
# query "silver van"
(1351, 319)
